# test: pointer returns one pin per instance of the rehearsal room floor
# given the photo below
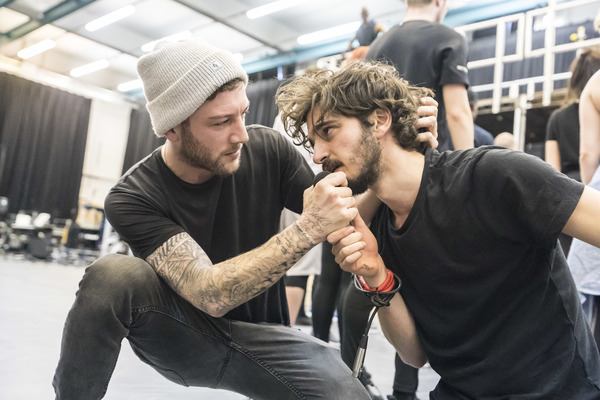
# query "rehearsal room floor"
(35, 297)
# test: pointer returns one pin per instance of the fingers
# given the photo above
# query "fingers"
(429, 123)
(429, 101)
(427, 111)
(328, 206)
(348, 250)
(427, 137)
(334, 179)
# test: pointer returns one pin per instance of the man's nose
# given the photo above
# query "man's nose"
(320, 152)
(239, 134)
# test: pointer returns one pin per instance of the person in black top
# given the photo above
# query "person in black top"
(562, 131)
(202, 301)
(432, 55)
(561, 149)
(485, 295)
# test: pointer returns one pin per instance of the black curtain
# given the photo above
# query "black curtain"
(43, 132)
(262, 102)
(141, 140)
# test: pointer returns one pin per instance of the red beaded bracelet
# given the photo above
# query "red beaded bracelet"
(386, 286)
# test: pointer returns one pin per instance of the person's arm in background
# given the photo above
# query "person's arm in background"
(217, 289)
(349, 48)
(589, 129)
(583, 223)
(458, 115)
(552, 154)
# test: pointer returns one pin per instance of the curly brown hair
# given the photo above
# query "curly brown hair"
(354, 91)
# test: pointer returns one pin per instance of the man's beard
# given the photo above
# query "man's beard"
(198, 155)
(370, 154)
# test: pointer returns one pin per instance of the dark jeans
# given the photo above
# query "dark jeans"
(122, 297)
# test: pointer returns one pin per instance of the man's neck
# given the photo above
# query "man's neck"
(400, 180)
(180, 168)
(425, 13)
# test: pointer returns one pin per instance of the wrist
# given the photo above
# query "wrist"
(376, 280)
(381, 284)
(309, 237)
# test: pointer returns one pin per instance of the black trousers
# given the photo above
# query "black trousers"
(355, 311)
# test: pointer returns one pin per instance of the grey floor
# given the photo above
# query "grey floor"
(35, 297)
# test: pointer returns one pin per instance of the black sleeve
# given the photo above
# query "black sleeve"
(454, 61)
(138, 221)
(523, 197)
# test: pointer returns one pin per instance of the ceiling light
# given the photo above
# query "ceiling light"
(89, 68)
(271, 8)
(131, 85)
(110, 18)
(148, 47)
(36, 49)
(330, 33)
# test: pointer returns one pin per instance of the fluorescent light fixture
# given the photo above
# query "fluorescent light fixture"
(89, 68)
(238, 56)
(36, 49)
(110, 18)
(148, 47)
(131, 85)
(330, 33)
(271, 8)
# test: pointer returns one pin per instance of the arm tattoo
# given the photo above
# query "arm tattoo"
(219, 288)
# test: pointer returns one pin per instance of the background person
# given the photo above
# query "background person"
(584, 259)
(367, 32)
(429, 54)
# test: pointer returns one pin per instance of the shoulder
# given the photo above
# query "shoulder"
(141, 173)
(488, 161)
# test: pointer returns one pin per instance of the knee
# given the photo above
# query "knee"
(115, 274)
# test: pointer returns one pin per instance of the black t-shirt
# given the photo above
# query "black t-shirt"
(429, 55)
(492, 297)
(563, 126)
(226, 215)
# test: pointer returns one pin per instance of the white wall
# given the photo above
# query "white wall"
(104, 150)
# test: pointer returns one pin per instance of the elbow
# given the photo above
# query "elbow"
(214, 311)
(414, 360)
(585, 156)
(212, 308)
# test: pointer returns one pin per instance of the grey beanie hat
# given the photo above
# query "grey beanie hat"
(179, 77)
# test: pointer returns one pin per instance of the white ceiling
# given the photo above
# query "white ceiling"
(264, 43)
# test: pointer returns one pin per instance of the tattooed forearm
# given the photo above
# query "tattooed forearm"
(216, 289)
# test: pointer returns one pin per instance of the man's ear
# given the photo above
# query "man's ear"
(172, 135)
(382, 122)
